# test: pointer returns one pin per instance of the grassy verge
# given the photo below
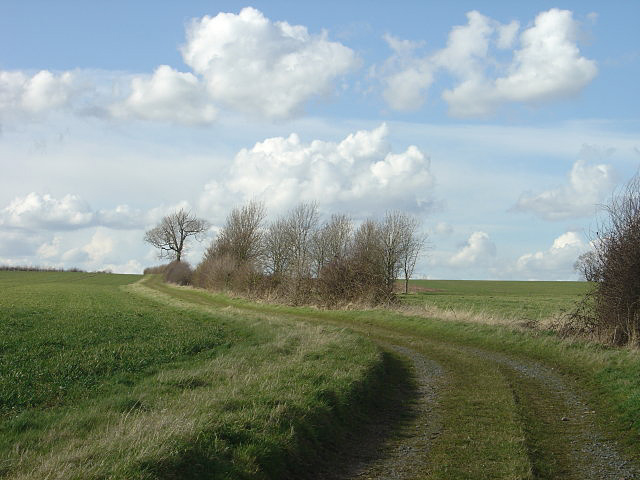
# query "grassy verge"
(97, 381)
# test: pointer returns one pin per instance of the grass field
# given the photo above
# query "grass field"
(98, 381)
(102, 377)
(507, 299)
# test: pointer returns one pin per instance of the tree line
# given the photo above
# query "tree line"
(297, 256)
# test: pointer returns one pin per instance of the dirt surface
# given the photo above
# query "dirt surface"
(395, 444)
(550, 404)
(550, 408)
(406, 453)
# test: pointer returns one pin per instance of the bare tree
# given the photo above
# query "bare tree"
(412, 245)
(614, 266)
(393, 239)
(587, 266)
(367, 262)
(171, 234)
(277, 255)
(302, 221)
(330, 242)
(241, 235)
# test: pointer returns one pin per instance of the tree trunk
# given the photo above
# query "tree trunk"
(406, 284)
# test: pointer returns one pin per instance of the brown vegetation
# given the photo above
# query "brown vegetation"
(612, 309)
(32, 268)
(298, 259)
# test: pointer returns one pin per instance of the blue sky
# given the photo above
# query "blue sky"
(501, 124)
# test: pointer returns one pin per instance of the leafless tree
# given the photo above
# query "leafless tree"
(587, 266)
(412, 246)
(614, 266)
(241, 235)
(330, 242)
(393, 233)
(301, 223)
(277, 255)
(171, 234)
(367, 262)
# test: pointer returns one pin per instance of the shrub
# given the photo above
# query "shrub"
(156, 270)
(178, 272)
(614, 267)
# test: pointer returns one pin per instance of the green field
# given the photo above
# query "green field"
(508, 299)
(99, 381)
(106, 377)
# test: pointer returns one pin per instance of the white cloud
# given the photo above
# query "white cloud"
(254, 65)
(406, 79)
(507, 34)
(130, 267)
(42, 91)
(443, 229)
(360, 175)
(479, 249)
(547, 65)
(50, 250)
(556, 262)
(588, 185)
(71, 212)
(99, 246)
(45, 211)
(168, 95)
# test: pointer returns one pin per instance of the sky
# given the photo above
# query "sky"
(503, 126)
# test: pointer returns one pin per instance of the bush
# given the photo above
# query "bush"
(614, 267)
(157, 270)
(179, 273)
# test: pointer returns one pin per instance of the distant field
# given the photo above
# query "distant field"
(519, 300)
(99, 380)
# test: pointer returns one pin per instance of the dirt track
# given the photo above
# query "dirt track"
(561, 435)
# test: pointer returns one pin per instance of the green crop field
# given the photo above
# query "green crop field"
(508, 299)
(104, 376)
(98, 381)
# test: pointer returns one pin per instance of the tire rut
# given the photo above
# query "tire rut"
(400, 453)
(555, 408)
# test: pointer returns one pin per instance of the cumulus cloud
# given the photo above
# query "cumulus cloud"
(360, 174)
(546, 65)
(479, 249)
(587, 186)
(168, 95)
(252, 64)
(100, 245)
(45, 211)
(554, 263)
(71, 212)
(37, 93)
(406, 79)
(51, 249)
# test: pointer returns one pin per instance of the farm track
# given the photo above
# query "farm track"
(558, 434)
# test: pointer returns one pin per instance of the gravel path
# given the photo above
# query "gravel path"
(407, 454)
(395, 445)
(592, 457)
(403, 453)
